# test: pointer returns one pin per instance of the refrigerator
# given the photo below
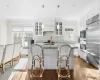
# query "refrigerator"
(93, 41)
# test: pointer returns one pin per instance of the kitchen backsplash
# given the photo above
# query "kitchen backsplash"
(45, 38)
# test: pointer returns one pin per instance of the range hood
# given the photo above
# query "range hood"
(48, 28)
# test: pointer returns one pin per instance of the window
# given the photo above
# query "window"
(22, 35)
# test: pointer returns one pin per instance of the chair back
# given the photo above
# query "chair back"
(36, 50)
(63, 62)
(8, 53)
(17, 50)
(37, 55)
(64, 50)
(1, 52)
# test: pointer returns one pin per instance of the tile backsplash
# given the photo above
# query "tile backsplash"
(45, 38)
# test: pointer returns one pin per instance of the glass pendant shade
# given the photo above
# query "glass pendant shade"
(42, 16)
(58, 26)
(42, 26)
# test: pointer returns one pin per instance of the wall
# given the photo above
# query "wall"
(9, 33)
(3, 32)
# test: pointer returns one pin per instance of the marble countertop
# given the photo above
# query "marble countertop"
(56, 45)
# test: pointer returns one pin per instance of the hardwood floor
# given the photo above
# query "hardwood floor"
(82, 71)
(52, 75)
(85, 71)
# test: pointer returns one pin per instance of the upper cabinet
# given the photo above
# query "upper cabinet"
(38, 28)
(58, 28)
(93, 19)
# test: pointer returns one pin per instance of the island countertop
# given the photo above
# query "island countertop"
(56, 45)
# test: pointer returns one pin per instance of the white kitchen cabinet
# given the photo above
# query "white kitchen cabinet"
(38, 28)
(83, 54)
(58, 30)
(50, 58)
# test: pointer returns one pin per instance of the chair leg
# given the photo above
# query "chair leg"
(11, 63)
(18, 58)
(3, 68)
(68, 72)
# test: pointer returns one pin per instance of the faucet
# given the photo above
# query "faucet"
(51, 39)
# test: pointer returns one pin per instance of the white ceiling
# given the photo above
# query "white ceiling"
(33, 8)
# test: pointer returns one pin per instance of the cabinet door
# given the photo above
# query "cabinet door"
(58, 29)
(38, 28)
(95, 18)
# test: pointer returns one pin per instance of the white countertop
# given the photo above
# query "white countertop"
(56, 45)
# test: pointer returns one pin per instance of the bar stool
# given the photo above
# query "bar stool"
(63, 62)
(37, 61)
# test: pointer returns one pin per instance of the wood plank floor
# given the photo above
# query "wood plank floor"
(82, 71)
(51, 75)
(85, 71)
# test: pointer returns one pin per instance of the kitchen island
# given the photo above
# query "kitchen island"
(51, 54)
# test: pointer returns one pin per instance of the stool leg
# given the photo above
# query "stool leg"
(3, 68)
(11, 63)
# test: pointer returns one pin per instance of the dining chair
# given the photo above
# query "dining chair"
(7, 56)
(17, 51)
(1, 54)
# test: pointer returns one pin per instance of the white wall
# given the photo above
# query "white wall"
(3, 32)
(9, 33)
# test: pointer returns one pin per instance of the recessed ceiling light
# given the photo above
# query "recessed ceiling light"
(73, 5)
(58, 6)
(42, 6)
(7, 5)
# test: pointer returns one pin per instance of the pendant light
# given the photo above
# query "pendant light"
(58, 26)
(58, 15)
(42, 25)
(42, 16)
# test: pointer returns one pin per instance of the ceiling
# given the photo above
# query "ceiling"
(71, 9)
